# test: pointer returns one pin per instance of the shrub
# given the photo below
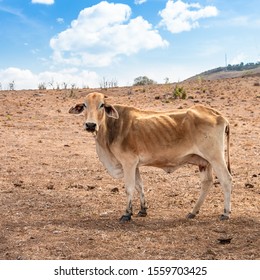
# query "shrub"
(11, 85)
(105, 83)
(179, 92)
(42, 86)
(143, 81)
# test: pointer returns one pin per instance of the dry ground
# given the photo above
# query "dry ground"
(58, 202)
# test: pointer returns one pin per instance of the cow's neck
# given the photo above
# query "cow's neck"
(101, 136)
(105, 154)
(106, 133)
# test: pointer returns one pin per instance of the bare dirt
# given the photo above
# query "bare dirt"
(58, 202)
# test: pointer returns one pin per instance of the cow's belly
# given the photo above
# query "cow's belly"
(171, 161)
(161, 161)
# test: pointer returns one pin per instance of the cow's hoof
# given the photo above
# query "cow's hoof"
(142, 214)
(223, 217)
(190, 216)
(125, 219)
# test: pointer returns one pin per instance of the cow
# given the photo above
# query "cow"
(128, 138)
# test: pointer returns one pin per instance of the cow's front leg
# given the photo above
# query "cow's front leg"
(139, 186)
(129, 178)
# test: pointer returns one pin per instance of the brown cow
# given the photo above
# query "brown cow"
(128, 138)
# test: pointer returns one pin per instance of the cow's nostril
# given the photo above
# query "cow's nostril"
(91, 126)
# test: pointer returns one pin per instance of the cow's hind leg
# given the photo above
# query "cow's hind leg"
(225, 180)
(140, 188)
(206, 183)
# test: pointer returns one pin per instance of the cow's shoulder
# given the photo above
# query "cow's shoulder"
(118, 129)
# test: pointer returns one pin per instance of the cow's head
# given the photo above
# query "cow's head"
(95, 110)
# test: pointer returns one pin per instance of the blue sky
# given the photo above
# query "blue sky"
(81, 41)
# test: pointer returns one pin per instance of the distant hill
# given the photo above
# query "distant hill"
(231, 71)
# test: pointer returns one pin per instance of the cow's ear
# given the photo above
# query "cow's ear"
(79, 108)
(111, 111)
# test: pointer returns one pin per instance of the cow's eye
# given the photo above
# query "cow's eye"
(101, 105)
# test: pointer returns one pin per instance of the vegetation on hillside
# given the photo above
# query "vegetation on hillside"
(235, 67)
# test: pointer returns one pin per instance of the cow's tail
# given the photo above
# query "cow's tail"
(227, 131)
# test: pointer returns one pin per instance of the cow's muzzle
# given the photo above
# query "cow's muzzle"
(91, 127)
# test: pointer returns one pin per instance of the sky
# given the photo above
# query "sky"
(84, 42)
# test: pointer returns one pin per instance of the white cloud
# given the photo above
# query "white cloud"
(25, 79)
(139, 2)
(60, 20)
(20, 77)
(101, 34)
(179, 16)
(46, 2)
